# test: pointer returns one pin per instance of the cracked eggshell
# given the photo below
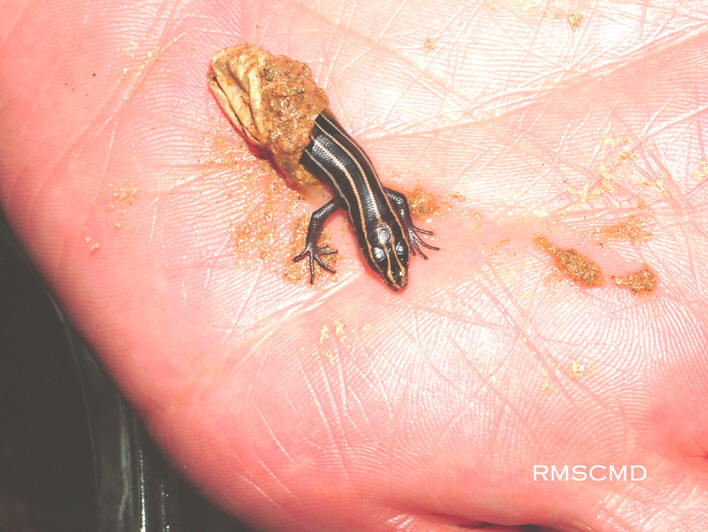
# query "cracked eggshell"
(273, 100)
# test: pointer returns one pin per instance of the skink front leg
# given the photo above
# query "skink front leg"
(400, 203)
(314, 230)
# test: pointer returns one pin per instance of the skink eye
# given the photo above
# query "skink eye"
(400, 250)
(381, 235)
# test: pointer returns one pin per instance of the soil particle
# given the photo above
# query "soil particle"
(575, 19)
(422, 204)
(633, 229)
(640, 282)
(572, 264)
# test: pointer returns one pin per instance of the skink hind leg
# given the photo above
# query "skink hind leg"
(314, 230)
(400, 203)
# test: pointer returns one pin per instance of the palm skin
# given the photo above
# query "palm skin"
(345, 406)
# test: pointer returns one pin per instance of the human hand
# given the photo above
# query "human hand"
(345, 405)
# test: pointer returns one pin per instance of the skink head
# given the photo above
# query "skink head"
(387, 253)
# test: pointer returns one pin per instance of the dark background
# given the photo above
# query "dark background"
(59, 471)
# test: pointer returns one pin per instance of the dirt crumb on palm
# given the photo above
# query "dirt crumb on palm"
(126, 194)
(632, 229)
(640, 282)
(422, 204)
(576, 369)
(94, 247)
(572, 264)
(259, 233)
(575, 19)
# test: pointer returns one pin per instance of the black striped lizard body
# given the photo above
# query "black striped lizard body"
(380, 216)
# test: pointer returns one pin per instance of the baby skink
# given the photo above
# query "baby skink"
(275, 102)
(380, 216)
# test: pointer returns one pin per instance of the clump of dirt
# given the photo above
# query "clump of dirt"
(572, 264)
(423, 204)
(633, 228)
(640, 282)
